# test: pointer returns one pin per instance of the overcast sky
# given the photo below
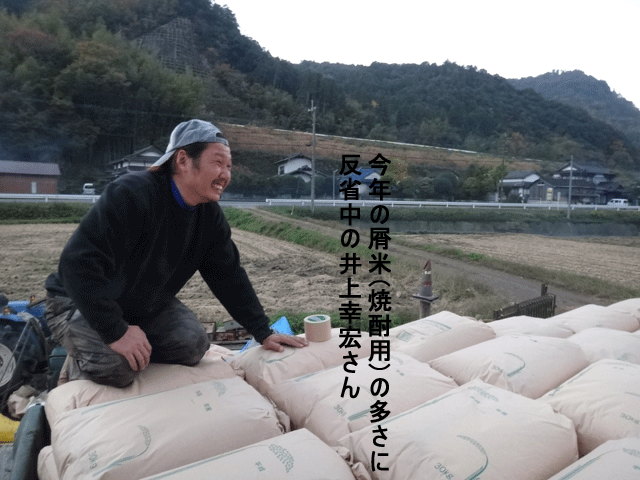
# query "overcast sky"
(511, 38)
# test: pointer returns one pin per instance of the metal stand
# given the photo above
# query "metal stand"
(425, 292)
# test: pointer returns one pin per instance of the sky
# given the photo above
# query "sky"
(510, 38)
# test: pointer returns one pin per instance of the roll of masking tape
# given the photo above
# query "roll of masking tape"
(317, 328)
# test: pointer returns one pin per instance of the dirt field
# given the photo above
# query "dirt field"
(615, 259)
(296, 279)
(286, 277)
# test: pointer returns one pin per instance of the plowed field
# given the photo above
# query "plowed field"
(297, 279)
(615, 259)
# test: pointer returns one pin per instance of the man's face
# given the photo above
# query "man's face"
(204, 182)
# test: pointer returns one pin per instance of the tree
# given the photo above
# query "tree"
(445, 185)
(131, 18)
(435, 131)
(516, 144)
(620, 156)
(481, 181)
(496, 174)
(420, 188)
(397, 170)
(16, 6)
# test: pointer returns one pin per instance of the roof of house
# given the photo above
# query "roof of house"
(29, 168)
(519, 174)
(564, 183)
(364, 173)
(297, 155)
(592, 169)
(148, 154)
(518, 178)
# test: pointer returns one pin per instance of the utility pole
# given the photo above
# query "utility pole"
(501, 182)
(313, 157)
(570, 185)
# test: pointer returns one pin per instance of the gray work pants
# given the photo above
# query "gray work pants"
(176, 336)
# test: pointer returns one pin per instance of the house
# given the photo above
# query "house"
(519, 182)
(137, 161)
(589, 184)
(366, 178)
(29, 177)
(557, 190)
(298, 165)
(594, 173)
(610, 190)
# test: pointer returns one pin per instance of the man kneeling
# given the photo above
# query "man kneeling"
(112, 302)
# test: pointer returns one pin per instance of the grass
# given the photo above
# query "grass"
(332, 147)
(287, 231)
(282, 230)
(462, 296)
(480, 215)
(574, 282)
(470, 298)
(26, 212)
(570, 281)
(54, 212)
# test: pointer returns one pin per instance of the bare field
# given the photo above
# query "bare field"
(286, 277)
(614, 259)
(295, 279)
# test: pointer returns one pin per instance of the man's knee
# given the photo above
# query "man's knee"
(90, 357)
(116, 373)
(184, 347)
(195, 347)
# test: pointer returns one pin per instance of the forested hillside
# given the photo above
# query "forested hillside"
(84, 82)
(577, 89)
(454, 106)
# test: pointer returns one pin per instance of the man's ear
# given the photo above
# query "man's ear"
(182, 160)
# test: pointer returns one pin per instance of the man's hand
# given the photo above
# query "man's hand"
(135, 347)
(275, 342)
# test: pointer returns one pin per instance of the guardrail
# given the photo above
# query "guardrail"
(302, 202)
(418, 204)
(46, 198)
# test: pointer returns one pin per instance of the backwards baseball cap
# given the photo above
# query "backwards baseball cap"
(193, 131)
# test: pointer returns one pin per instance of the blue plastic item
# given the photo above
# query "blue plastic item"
(18, 306)
(282, 326)
(279, 326)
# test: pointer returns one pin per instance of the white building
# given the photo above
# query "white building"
(298, 165)
(519, 182)
(136, 162)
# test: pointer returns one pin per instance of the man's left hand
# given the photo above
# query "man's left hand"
(275, 342)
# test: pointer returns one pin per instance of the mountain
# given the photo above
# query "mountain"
(84, 82)
(462, 107)
(577, 89)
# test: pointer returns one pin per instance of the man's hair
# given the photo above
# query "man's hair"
(193, 150)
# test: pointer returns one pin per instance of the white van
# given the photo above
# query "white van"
(618, 202)
(88, 189)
